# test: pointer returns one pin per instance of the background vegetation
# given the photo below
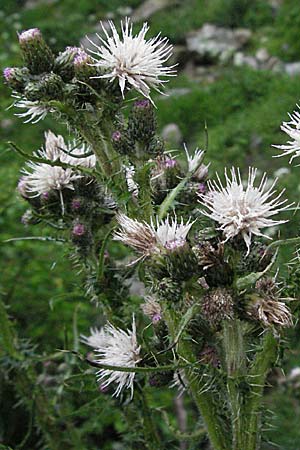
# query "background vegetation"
(243, 109)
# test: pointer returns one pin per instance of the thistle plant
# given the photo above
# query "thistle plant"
(212, 320)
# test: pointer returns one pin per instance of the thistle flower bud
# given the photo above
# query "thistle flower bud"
(181, 261)
(37, 56)
(16, 78)
(121, 142)
(78, 230)
(169, 290)
(83, 68)
(64, 63)
(49, 87)
(152, 309)
(258, 259)
(217, 305)
(141, 122)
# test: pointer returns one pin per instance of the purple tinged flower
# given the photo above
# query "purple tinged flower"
(156, 318)
(45, 196)
(144, 103)
(170, 163)
(30, 34)
(202, 188)
(116, 136)
(76, 204)
(81, 58)
(8, 73)
(78, 230)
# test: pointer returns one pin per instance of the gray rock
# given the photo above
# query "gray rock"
(240, 59)
(172, 134)
(216, 43)
(292, 69)
(262, 55)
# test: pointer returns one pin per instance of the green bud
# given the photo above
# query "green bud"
(37, 56)
(141, 122)
(16, 78)
(49, 87)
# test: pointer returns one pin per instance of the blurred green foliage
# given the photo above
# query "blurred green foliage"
(243, 110)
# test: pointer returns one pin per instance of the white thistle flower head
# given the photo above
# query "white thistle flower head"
(138, 235)
(170, 234)
(292, 129)
(36, 111)
(150, 239)
(132, 60)
(56, 149)
(242, 211)
(120, 349)
(97, 338)
(43, 178)
(194, 160)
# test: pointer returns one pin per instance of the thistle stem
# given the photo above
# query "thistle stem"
(257, 378)
(207, 404)
(235, 360)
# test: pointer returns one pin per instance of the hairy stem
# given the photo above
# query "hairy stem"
(217, 428)
(233, 342)
(257, 378)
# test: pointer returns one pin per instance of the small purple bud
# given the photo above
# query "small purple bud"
(30, 34)
(78, 230)
(76, 204)
(8, 73)
(145, 103)
(170, 163)
(202, 188)
(116, 136)
(45, 196)
(156, 318)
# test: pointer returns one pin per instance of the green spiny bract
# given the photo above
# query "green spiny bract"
(142, 122)
(48, 87)
(169, 290)
(258, 259)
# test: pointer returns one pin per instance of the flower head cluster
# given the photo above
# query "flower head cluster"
(152, 238)
(42, 177)
(292, 129)
(242, 211)
(115, 347)
(133, 60)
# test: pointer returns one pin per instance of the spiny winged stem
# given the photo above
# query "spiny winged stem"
(206, 401)
(235, 361)
(257, 378)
